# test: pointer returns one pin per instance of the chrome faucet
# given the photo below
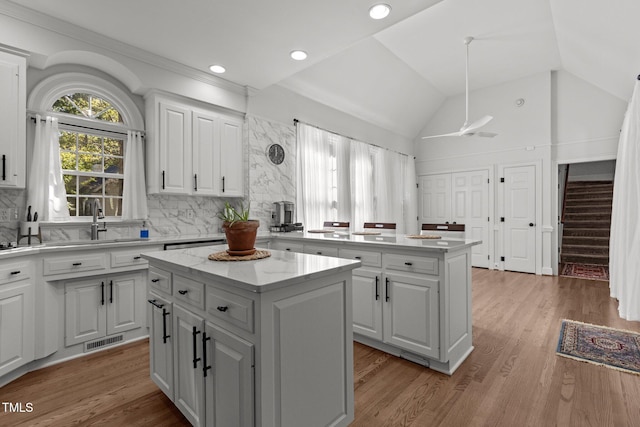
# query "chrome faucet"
(96, 211)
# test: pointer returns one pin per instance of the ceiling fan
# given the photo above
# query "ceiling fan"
(468, 129)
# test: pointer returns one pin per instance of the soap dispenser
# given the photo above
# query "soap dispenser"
(144, 231)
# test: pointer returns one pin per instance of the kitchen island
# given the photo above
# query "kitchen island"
(264, 342)
(411, 297)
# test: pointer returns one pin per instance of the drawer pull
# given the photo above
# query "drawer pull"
(14, 273)
(196, 359)
(155, 280)
(183, 292)
(386, 290)
(408, 263)
(357, 257)
(137, 257)
(223, 308)
(155, 303)
(319, 252)
(75, 264)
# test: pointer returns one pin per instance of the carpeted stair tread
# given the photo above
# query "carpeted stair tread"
(587, 222)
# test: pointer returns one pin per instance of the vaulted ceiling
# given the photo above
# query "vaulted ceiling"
(394, 72)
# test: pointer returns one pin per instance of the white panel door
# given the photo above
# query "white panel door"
(519, 218)
(470, 206)
(175, 149)
(411, 313)
(232, 164)
(188, 381)
(125, 303)
(367, 303)
(85, 308)
(435, 198)
(206, 154)
(229, 377)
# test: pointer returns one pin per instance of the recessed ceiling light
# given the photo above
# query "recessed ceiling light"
(299, 55)
(218, 69)
(379, 11)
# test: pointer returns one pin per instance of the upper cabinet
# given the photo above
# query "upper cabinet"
(193, 150)
(13, 92)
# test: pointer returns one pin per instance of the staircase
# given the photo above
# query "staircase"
(587, 222)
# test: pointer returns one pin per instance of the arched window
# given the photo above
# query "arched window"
(94, 116)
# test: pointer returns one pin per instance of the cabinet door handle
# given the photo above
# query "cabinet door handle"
(319, 253)
(195, 182)
(102, 293)
(4, 167)
(386, 289)
(14, 273)
(194, 333)
(223, 308)
(408, 263)
(223, 184)
(155, 280)
(75, 264)
(137, 257)
(155, 304)
(357, 257)
(163, 180)
(377, 288)
(111, 292)
(205, 367)
(165, 313)
(183, 292)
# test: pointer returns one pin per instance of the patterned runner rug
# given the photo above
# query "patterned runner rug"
(585, 271)
(600, 345)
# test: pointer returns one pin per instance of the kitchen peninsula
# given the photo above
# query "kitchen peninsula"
(411, 297)
(265, 342)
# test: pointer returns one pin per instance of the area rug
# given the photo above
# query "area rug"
(585, 271)
(600, 345)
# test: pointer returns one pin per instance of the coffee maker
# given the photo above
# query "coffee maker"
(284, 217)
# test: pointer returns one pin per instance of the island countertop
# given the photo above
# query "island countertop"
(279, 270)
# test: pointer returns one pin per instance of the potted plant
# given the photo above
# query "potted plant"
(239, 229)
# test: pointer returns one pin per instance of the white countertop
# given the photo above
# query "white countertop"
(279, 270)
(399, 240)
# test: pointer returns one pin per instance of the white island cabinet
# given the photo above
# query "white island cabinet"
(254, 343)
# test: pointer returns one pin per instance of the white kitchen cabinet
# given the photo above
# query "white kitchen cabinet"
(367, 303)
(13, 69)
(161, 343)
(17, 316)
(193, 150)
(411, 315)
(187, 364)
(101, 306)
(227, 368)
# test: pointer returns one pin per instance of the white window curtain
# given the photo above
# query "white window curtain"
(340, 179)
(362, 194)
(624, 241)
(46, 193)
(134, 196)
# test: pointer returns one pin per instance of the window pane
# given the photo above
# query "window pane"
(68, 160)
(113, 187)
(90, 185)
(112, 206)
(68, 141)
(84, 205)
(89, 163)
(70, 183)
(71, 202)
(113, 165)
(90, 143)
(113, 146)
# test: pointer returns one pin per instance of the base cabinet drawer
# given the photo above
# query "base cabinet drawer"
(160, 280)
(74, 264)
(320, 250)
(287, 246)
(230, 308)
(188, 291)
(411, 263)
(368, 258)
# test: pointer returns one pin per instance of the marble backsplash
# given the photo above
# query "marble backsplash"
(265, 183)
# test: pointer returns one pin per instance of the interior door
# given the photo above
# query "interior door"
(470, 206)
(520, 218)
(435, 198)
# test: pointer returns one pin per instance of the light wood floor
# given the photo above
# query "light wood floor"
(512, 378)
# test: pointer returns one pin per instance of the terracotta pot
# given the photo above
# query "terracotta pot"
(241, 236)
